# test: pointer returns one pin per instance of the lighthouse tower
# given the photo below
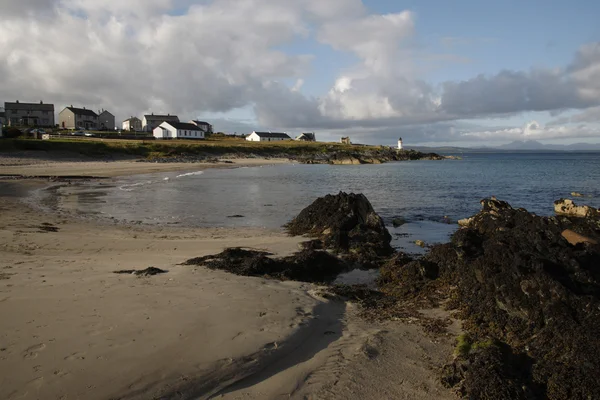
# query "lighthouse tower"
(400, 144)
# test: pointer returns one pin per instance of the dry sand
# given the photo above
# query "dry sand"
(72, 329)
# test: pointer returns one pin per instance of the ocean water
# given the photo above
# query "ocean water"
(430, 195)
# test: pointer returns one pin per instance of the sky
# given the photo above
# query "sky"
(460, 73)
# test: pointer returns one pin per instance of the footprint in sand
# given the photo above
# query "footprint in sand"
(270, 346)
(37, 382)
(75, 356)
(33, 351)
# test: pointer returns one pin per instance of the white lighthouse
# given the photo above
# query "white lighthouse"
(400, 144)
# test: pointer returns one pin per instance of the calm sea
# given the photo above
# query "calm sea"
(425, 193)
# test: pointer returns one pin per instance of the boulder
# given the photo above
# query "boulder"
(346, 223)
(568, 207)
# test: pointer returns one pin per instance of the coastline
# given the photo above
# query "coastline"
(189, 333)
(20, 167)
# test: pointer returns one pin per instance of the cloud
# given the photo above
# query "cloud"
(190, 57)
(535, 131)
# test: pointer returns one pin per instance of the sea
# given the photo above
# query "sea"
(429, 196)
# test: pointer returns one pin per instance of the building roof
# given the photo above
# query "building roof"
(200, 122)
(273, 135)
(29, 106)
(310, 136)
(132, 119)
(82, 111)
(106, 112)
(155, 117)
(184, 125)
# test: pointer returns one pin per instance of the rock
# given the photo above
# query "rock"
(575, 238)
(515, 278)
(142, 272)
(568, 207)
(420, 243)
(346, 223)
(465, 222)
(398, 221)
(236, 216)
(305, 266)
(576, 194)
(311, 245)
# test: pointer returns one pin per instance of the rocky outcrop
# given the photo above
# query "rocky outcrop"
(530, 297)
(347, 224)
(568, 207)
(364, 155)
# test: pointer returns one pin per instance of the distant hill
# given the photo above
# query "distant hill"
(535, 145)
(516, 146)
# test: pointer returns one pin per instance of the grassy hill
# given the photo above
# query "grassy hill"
(190, 150)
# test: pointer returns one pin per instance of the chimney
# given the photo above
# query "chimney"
(17, 101)
(41, 102)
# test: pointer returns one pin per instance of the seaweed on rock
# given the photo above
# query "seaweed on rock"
(515, 278)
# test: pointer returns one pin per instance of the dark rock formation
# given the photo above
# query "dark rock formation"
(347, 224)
(306, 265)
(516, 279)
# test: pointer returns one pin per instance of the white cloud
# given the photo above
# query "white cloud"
(534, 131)
(190, 57)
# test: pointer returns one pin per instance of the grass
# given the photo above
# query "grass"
(170, 148)
(463, 345)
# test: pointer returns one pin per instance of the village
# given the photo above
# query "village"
(38, 120)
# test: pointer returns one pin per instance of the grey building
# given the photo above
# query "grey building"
(19, 114)
(205, 126)
(106, 121)
(152, 121)
(2, 117)
(78, 118)
(132, 124)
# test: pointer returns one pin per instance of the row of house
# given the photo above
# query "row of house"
(161, 126)
(17, 114)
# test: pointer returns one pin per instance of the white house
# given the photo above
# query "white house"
(307, 137)
(267, 137)
(177, 130)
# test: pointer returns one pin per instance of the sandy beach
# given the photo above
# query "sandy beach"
(32, 164)
(73, 329)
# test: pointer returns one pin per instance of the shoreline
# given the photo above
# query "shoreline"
(189, 333)
(31, 168)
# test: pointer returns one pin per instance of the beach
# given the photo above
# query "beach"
(72, 328)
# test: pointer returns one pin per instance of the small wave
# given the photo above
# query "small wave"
(129, 188)
(190, 174)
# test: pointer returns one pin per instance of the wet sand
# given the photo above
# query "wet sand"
(73, 329)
